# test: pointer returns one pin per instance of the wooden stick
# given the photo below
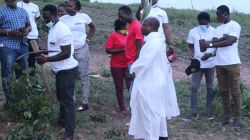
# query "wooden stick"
(42, 69)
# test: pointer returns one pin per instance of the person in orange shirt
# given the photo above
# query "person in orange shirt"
(115, 45)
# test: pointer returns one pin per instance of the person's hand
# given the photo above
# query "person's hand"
(203, 45)
(26, 31)
(41, 59)
(206, 56)
(140, 7)
(191, 56)
(171, 48)
(130, 76)
(14, 33)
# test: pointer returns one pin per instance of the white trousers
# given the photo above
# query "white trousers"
(145, 124)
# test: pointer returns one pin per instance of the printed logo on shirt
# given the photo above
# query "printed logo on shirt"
(78, 23)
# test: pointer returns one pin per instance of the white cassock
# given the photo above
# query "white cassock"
(153, 97)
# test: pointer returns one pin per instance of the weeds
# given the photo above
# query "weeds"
(98, 117)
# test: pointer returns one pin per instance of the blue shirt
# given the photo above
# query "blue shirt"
(12, 19)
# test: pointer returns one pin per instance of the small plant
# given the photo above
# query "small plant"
(105, 72)
(98, 117)
(113, 134)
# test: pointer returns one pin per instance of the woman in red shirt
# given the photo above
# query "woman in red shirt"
(119, 64)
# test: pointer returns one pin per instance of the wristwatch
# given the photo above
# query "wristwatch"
(210, 44)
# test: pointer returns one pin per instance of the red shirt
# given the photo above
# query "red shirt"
(134, 33)
(117, 41)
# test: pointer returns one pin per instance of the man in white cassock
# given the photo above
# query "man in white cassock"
(153, 97)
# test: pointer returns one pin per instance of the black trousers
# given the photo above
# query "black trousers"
(65, 86)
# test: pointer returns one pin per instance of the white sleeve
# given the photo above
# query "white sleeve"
(37, 12)
(190, 38)
(164, 17)
(64, 36)
(235, 31)
(87, 19)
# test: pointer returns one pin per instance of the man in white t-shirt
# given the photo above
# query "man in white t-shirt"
(161, 15)
(227, 63)
(77, 23)
(200, 32)
(64, 66)
(34, 15)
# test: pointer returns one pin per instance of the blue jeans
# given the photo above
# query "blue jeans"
(8, 59)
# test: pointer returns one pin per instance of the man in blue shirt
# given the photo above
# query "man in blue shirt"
(14, 27)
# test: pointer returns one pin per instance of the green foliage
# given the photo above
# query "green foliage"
(30, 105)
(98, 117)
(105, 72)
(114, 133)
(28, 133)
(245, 93)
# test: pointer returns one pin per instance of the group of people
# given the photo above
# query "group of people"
(138, 49)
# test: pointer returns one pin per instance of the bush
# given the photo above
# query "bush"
(30, 105)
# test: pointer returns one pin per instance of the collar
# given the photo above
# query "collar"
(151, 35)
(154, 6)
(10, 8)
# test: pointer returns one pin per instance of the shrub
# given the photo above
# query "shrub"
(30, 105)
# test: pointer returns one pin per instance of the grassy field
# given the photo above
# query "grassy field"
(103, 120)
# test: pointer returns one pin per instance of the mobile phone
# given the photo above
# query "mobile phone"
(20, 29)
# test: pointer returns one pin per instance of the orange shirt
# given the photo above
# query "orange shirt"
(134, 33)
(117, 40)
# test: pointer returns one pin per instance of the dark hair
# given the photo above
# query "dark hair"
(119, 24)
(62, 5)
(203, 16)
(77, 3)
(125, 9)
(224, 9)
(51, 8)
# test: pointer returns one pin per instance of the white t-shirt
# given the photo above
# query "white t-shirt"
(228, 55)
(77, 25)
(194, 36)
(161, 15)
(33, 12)
(60, 35)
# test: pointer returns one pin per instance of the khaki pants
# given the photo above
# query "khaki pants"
(229, 84)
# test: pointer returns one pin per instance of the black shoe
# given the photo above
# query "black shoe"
(225, 122)
(163, 138)
(192, 116)
(82, 108)
(209, 116)
(59, 125)
(236, 123)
